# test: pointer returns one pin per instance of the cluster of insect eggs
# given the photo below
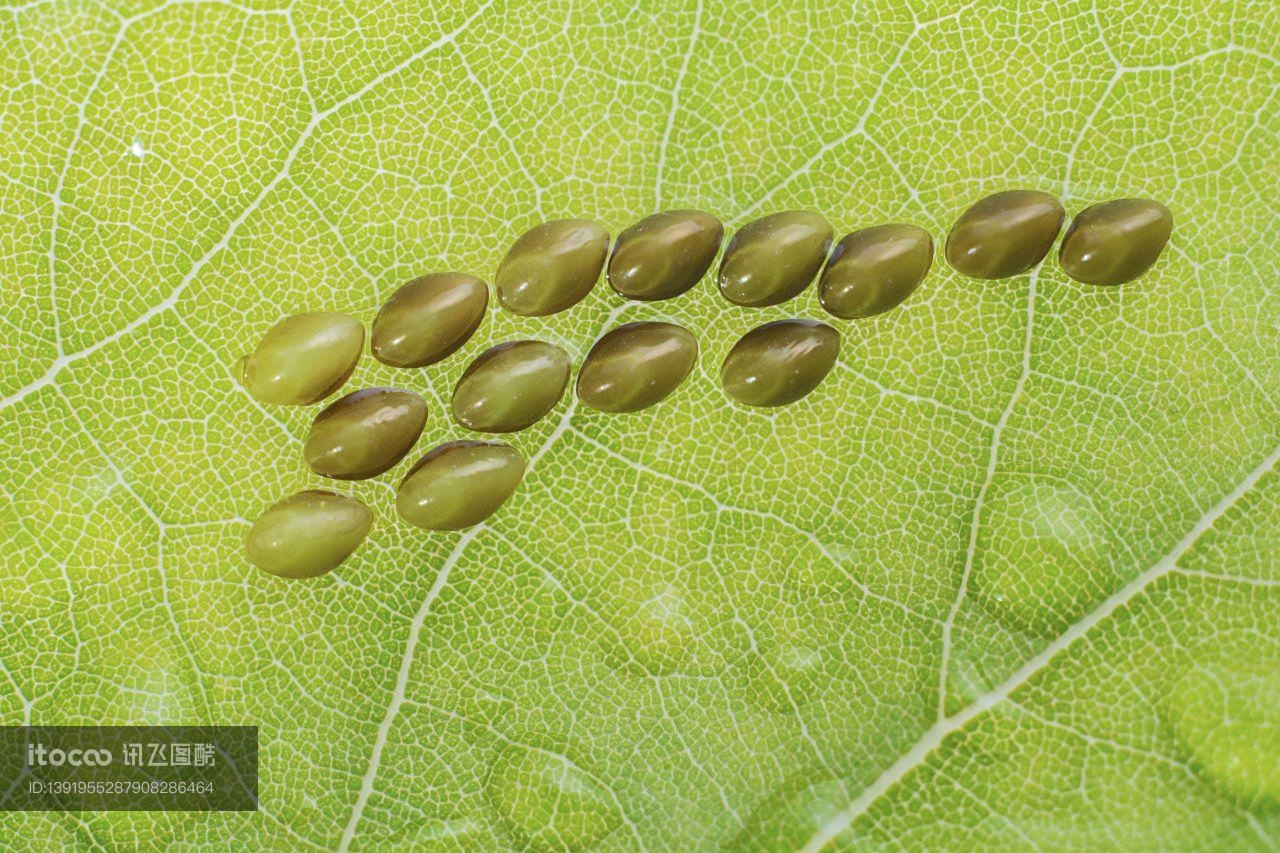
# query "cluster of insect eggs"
(305, 358)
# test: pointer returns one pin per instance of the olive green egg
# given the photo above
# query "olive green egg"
(303, 358)
(636, 366)
(459, 484)
(664, 255)
(874, 270)
(1116, 241)
(428, 319)
(551, 267)
(510, 386)
(307, 534)
(773, 259)
(779, 362)
(364, 433)
(1004, 234)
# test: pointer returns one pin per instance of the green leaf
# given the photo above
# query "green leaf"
(1009, 578)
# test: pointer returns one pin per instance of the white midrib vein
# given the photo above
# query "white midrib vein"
(402, 685)
(934, 736)
(975, 521)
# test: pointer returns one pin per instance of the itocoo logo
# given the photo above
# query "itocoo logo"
(38, 755)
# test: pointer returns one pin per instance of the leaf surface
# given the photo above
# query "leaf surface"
(1009, 578)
